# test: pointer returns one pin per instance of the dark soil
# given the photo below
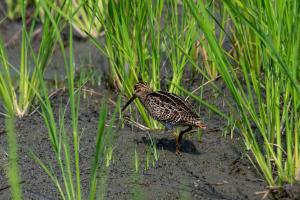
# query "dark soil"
(212, 169)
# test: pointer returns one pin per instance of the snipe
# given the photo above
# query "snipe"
(167, 108)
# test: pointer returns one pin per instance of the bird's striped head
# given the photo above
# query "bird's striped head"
(142, 89)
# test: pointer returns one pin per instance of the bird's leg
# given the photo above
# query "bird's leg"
(179, 138)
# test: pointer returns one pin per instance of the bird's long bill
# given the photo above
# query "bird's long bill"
(129, 102)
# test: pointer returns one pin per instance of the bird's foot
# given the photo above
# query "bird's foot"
(178, 150)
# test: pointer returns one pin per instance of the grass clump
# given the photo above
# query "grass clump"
(144, 39)
(13, 8)
(18, 96)
(67, 151)
(83, 20)
(262, 76)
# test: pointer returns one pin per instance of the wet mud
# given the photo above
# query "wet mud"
(210, 169)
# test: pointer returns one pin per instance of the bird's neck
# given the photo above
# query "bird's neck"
(143, 97)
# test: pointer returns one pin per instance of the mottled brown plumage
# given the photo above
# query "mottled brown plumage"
(167, 108)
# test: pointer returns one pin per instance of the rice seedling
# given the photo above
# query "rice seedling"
(19, 96)
(60, 142)
(264, 86)
(136, 161)
(17, 103)
(70, 187)
(13, 8)
(103, 153)
(128, 26)
(128, 53)
(12, 169)
(148, 158)
(180, 32)
(219, 21)
(83, 20)
(108, 155)
(155, 152)
(199, 135)
(152, 155)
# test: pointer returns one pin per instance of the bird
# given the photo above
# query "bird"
(169, 109)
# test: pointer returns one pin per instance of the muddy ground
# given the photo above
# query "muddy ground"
(211, 169)
(214, 168)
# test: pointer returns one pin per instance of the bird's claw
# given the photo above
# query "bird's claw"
(178, 153)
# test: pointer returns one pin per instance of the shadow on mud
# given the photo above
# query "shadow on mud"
(170, 144)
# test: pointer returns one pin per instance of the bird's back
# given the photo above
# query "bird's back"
(170, 108)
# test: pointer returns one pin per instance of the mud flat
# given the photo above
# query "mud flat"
(211, 169)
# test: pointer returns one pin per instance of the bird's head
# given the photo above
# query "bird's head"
(141, 90)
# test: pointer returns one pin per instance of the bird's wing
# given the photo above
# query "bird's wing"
(161, 108)
(185, 105)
